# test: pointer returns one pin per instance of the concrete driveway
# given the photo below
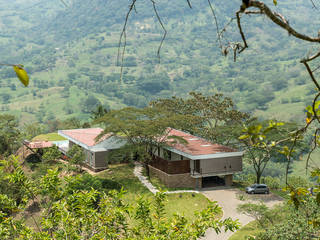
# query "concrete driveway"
(228, 200)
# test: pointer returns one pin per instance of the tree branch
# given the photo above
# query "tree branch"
(216, 22)
(280, 21)
(241, 32)
(313, 148)
(162, 26)
(124, 36)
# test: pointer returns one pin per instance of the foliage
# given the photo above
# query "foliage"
(90, 103)
(77, 156)
(190, 62)
(74, 213)
(9, 134)
(297, 224)
(144, 129)
(15, 188)
(260, 144)
(30, 130)
(98, 112)
(217, 118)
(51, 154)
(21, 74)
(259, 212)
(88, 182)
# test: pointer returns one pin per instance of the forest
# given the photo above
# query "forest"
(71, 53)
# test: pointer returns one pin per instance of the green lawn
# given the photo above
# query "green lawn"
(185, 204)
(49, 137)
(251, 228)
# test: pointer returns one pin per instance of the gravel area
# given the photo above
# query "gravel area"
(228, 200)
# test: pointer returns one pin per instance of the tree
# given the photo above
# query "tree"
(51, 154)
(71, 213)
(30, 130)
(218, 119)
(10, 135)
(302, 223)
(99, 112)
(77, 156)
(259, 212)
(90, 103)
(16, 189)
(144, 129)
(260, 144)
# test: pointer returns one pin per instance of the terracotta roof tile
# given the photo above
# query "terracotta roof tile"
(196, 145)
(40, 144)
(86, 136)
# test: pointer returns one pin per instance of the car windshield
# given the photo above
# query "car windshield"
(253, 186)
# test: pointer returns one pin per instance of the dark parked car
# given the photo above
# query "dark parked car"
(257, 188)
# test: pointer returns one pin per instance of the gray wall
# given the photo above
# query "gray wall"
(101, 159)
(220, 165)
(174, 156)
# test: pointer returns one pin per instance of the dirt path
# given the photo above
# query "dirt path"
(228, 200)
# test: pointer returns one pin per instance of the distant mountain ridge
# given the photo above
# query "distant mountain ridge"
(70, 53)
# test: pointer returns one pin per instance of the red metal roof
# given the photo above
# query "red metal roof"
(86, 136)
(196, 145)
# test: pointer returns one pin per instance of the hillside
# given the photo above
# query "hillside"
(70, 52)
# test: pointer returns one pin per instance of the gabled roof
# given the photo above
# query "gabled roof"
(199, 148)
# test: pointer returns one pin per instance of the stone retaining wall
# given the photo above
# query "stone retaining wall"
(176, 180)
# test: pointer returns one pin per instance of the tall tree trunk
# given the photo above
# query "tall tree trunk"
(259, 173)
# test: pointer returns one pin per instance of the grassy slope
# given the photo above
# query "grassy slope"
(185, 205)
(251, 228)
(299, 167)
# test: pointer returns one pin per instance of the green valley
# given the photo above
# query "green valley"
(70, 53)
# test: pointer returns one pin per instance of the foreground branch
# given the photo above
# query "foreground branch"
(279, 20)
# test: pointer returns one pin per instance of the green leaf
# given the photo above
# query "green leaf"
(318, 198)
(242, 137)
(275, 2)
(309, 109)
(21, 74)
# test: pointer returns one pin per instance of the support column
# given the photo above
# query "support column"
(228, 179)
(198, 183)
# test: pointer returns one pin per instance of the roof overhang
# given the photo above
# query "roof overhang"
(110, 143)
(206, 156)
(73, 140)
(212, 174)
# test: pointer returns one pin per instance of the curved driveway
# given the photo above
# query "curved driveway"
(227, 199)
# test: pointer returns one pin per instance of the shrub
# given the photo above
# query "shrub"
(272, 182)
(87, 182)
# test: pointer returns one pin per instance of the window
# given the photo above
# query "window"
(167, 155)
(197, 166)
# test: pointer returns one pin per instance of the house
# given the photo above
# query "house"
(96, 152)
(196, 164)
